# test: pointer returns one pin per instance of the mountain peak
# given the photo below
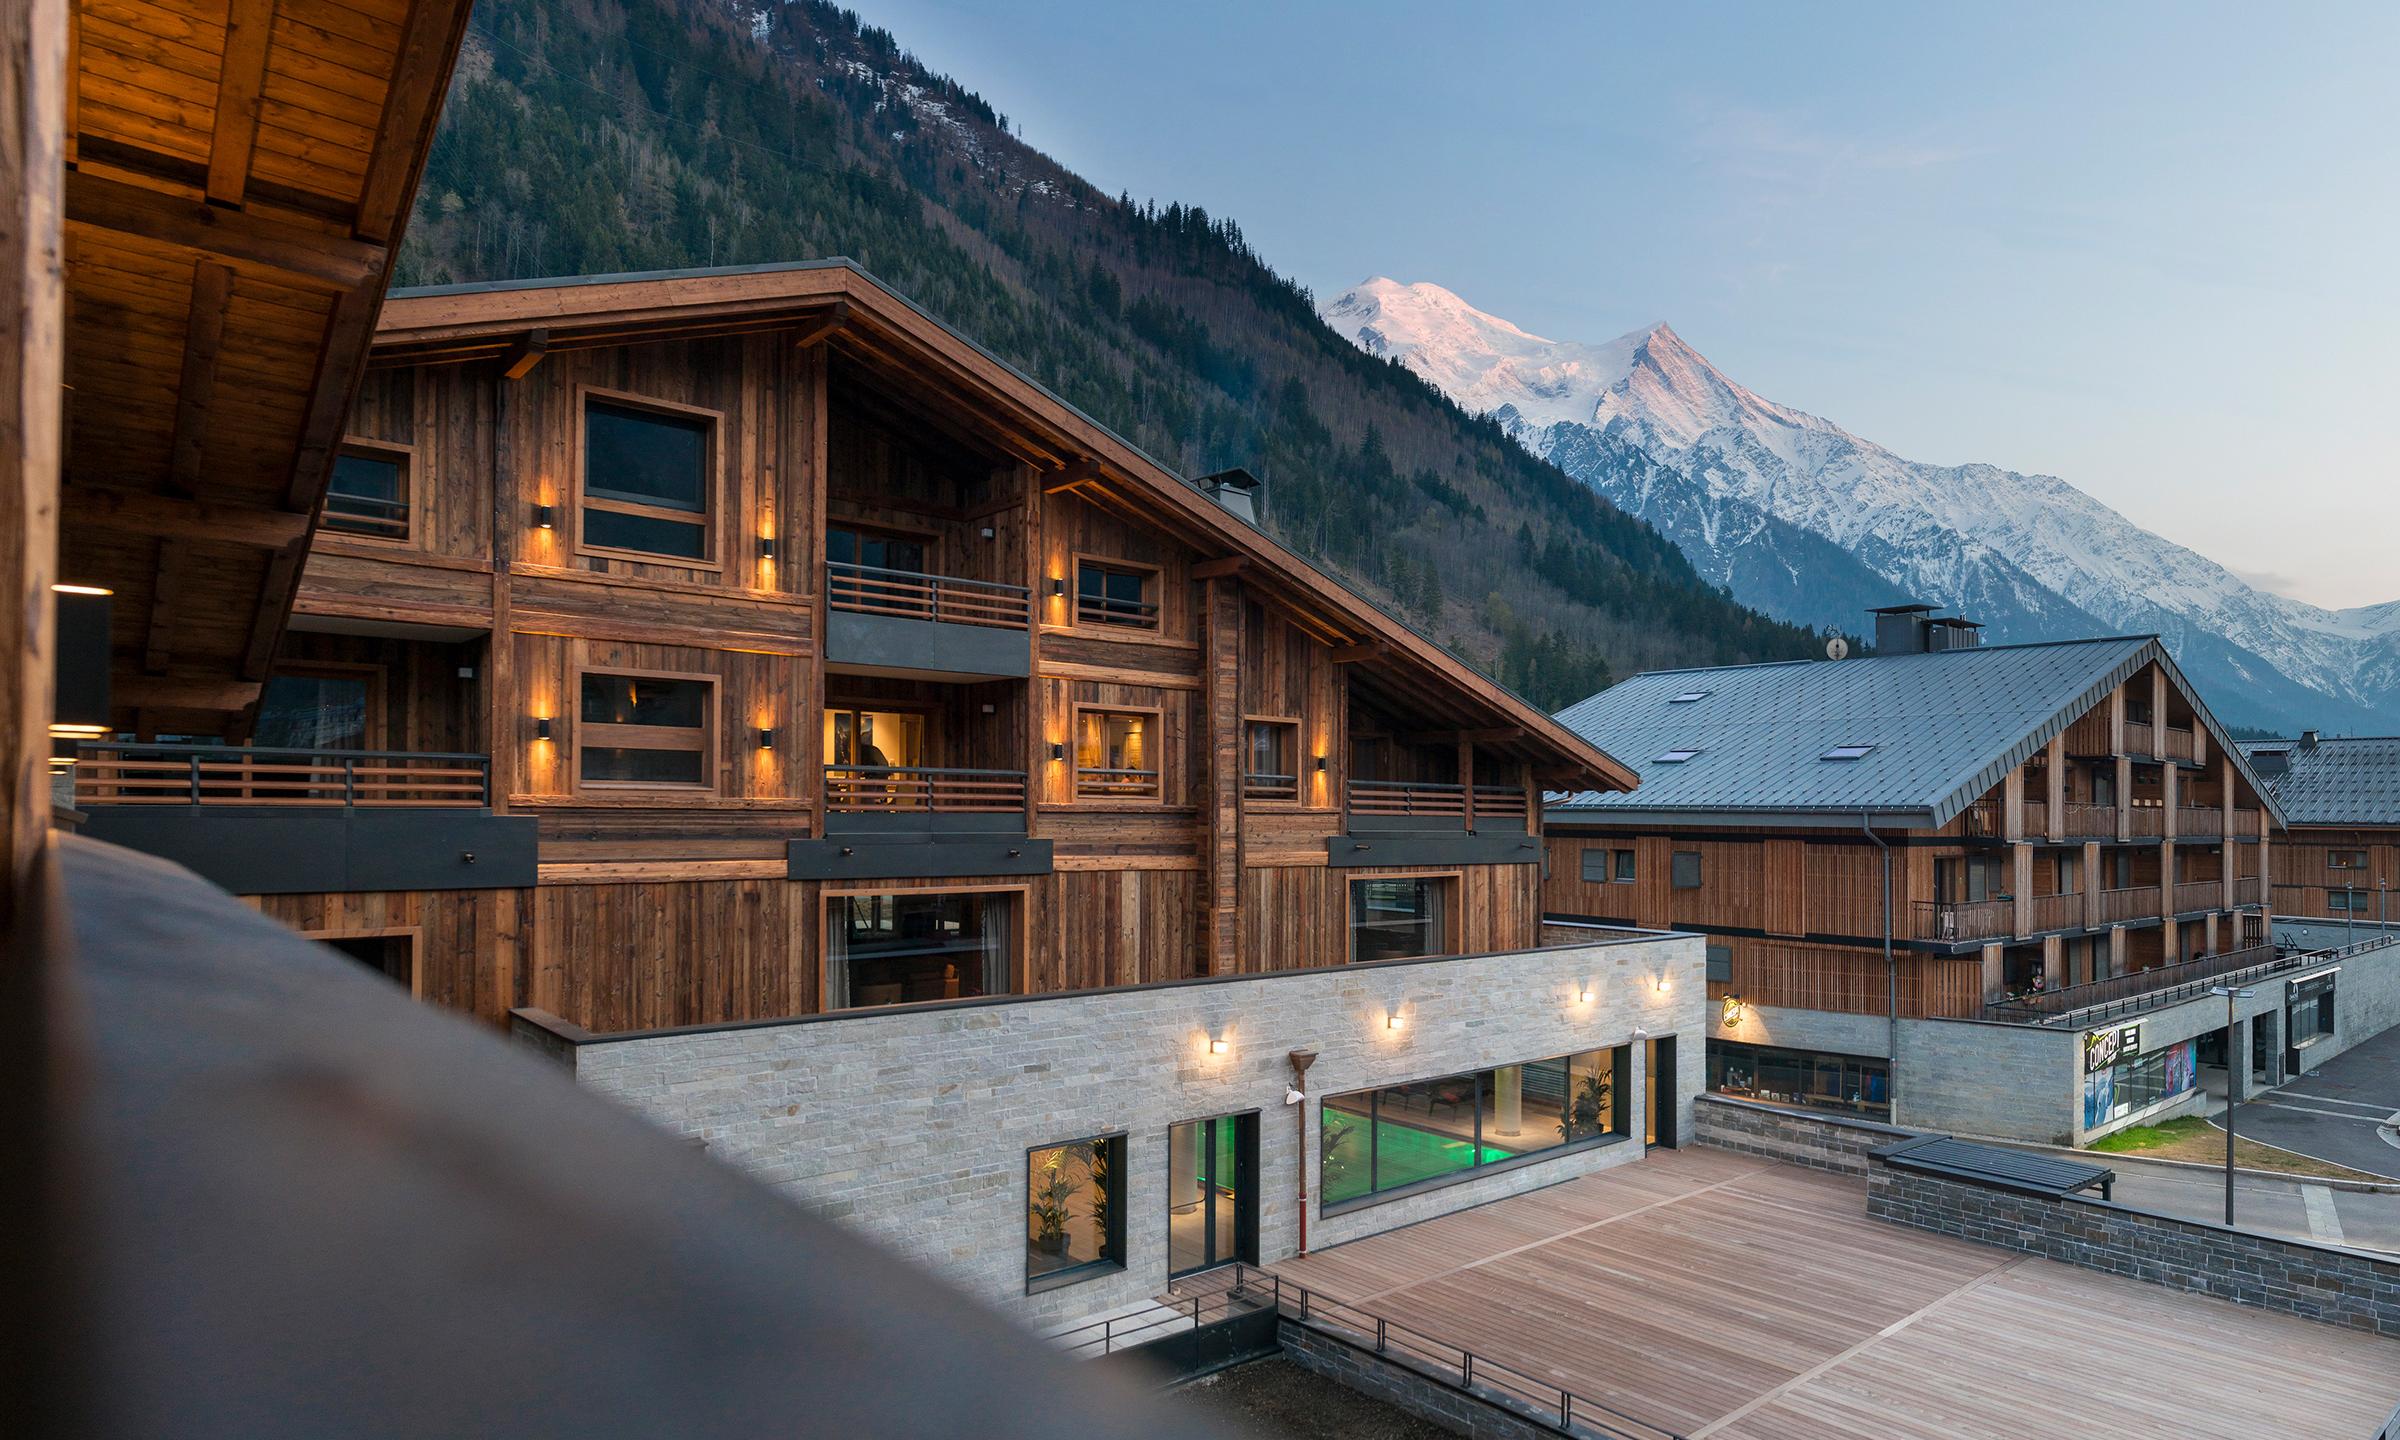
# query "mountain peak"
(1485, 363)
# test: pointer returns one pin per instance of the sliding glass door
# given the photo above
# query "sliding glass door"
(1212, 1193)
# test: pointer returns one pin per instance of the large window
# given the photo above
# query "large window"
(649, 731)
(1116, 753)
(316, 710)
(1372, 1142)
(1074, 1211)
(649, 477)
(2345, 859)
(1607, 867)
(1851, 1084)
(914, 945)
(1271, 759)
(1400, 918)
(1116, 594)
(2117, 1084)
(368, 493)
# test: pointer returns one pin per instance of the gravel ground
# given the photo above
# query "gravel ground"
(1277, 1400)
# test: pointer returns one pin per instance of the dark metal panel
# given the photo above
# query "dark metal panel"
(279, 851)
(922, 824)
(927, 649)
(441, 850)
(923, 857)
(1431, 847)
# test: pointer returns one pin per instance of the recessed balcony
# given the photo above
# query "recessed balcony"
(921, 626)
(1411, 822)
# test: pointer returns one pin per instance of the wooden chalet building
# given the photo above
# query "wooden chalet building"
(1941, 831)
(2337, 858)
(690, 648)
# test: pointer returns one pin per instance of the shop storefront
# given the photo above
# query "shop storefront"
(2121, 1080)
(2307, 1018)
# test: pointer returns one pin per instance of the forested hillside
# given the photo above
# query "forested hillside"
(589, 136)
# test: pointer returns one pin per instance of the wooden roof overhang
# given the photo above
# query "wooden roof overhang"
(238, 176)
(837, 304)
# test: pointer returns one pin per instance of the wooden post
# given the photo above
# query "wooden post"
(2058, 786)
(2091, 883)
(2021, 884)
(33, 48)
(1466, 779)
(1221, 806)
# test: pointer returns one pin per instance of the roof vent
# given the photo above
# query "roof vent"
(1915, 630)
(2309, 739)
(1238, 491)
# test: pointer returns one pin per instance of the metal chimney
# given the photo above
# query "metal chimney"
(1238, 491)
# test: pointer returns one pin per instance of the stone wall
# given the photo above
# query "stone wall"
(1795, 1137)
(2349, 1288)
(913, 1124)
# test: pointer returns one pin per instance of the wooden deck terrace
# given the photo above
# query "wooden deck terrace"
(1716, 1295)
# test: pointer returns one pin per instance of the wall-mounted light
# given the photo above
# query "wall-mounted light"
(1058, 752)
(79, 669)
(1320, 764)
(1219, 1047)
(1584, 995)
(1733, 1011)
(1392, 1021)
(766, 547)
(541, 727)
(766, 737)
(545, 517)
(1058, 586)
(1661, 986)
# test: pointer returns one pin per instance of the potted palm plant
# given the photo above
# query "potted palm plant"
(1049, 1206)
(1589, 1108)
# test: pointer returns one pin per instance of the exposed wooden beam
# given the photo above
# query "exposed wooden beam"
(295, 250)
(166, 600)
(404, 135)
(134, 512)
(241, 80)
(1367, 650)
(1496, 735)
(1079, 472)
(818, 330)
(203, 336)
(175, 692)
(340, 365)
(518, 360)
(1220, 569)
(275, 593)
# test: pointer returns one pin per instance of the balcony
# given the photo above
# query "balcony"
(369, 515)
(2139, 738)
(2086, 821)
(2245, 823)
(1960, 921)
(2177, 742)
(1259, 785)
(891, 822)
(921, 626)
(2145, 822)
(2037, 819)
(1984, 819)
(2199, 822)
(2056, 912)
(2247, 890)
(2135, 902)
(2193, 897)
(1410, 822)
(268, 821)
(2141, 990)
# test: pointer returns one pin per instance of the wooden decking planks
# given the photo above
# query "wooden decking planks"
(1725, 1297)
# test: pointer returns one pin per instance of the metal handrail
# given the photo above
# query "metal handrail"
(2138, 990)
(115, 772)
(1242, 1294)
(1549, 1406)
(1964, 919)
(921, 595)
(857, 788)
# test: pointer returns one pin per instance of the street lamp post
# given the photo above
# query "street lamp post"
(2235, 1065)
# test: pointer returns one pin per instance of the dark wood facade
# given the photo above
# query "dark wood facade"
(474, 605)
(2122, 846)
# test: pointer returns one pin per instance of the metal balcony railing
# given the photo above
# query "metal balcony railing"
(2139, 990)
(1100, 782)
(914, 595)
(865, 789)
(1258, 785)
(1407, 797)
(1957, 920)
(115, 773)
(366, 515)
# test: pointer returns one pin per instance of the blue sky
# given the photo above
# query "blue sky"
(2147, 248)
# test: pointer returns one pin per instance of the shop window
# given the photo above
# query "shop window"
(1374, 1142)
(1400, 918)
(368, 492)
(1108, 593)
(1847, 1084)
(1074, 1211)
(649, 481)
(1116, 754)
(1271, 759)
(647, 731)
(913, 946)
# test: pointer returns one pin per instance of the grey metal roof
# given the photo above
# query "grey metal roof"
(2336, 781)
(1945, 727)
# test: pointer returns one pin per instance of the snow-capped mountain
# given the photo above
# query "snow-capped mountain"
(1802, 519)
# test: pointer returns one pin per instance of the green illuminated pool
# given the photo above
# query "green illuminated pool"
(1403, 1155)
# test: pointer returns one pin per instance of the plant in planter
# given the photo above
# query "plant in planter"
(1103, 1177)
(1590, 1107)
(1048, 1208)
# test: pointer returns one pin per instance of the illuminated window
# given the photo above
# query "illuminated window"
(1074, 1211)
(1115, 753)
(648, 731)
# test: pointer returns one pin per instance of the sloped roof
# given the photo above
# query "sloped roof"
(2335, 781)
(1945, 727)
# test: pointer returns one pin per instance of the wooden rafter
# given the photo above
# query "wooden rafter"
(135, 512)
(241, 83)
(518, 360)
(817, 331)
(203, 336)
(297, 251)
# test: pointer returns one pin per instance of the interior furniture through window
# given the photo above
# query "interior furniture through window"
(651, 731)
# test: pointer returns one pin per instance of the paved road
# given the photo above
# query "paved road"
(2340, 1112)
(2273, 1207)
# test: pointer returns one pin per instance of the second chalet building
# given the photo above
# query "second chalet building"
(833, 744)
(2338, 858)
(1977, 888)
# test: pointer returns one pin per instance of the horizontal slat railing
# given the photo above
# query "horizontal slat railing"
(2086, 821)
(2143, 989)
(1965, 919)
(366, 515)
(1258, 785)
(1407, 797)
(2135, 902)
(913, 595)
(1551, 1407)
(1100, 783)
(2193, 895)
(859, 789)
(109, 773)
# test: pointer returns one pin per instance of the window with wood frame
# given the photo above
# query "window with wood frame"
(645, 731)
(1116, 754)
(368, 492)
(649, 481)
(1114, 593)
(1402, 917)
(1271, 759)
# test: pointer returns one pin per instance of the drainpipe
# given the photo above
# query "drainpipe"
(1301, 1060)
(1891, 974)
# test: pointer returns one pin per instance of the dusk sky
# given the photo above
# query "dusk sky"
(2148, 249)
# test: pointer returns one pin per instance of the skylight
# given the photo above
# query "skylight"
(1675, 757)
(1688, 697)
(1846, 752)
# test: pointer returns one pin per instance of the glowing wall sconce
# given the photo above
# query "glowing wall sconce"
(1733, 1011)
(1320, 764)
(79, 662)
(1392, 1021)
(1057, 751)
(1219, 1047)
(766, 547)
(766, 737)
(1661, 986)
(545, 517)
(541, 727)
(1584, 995)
